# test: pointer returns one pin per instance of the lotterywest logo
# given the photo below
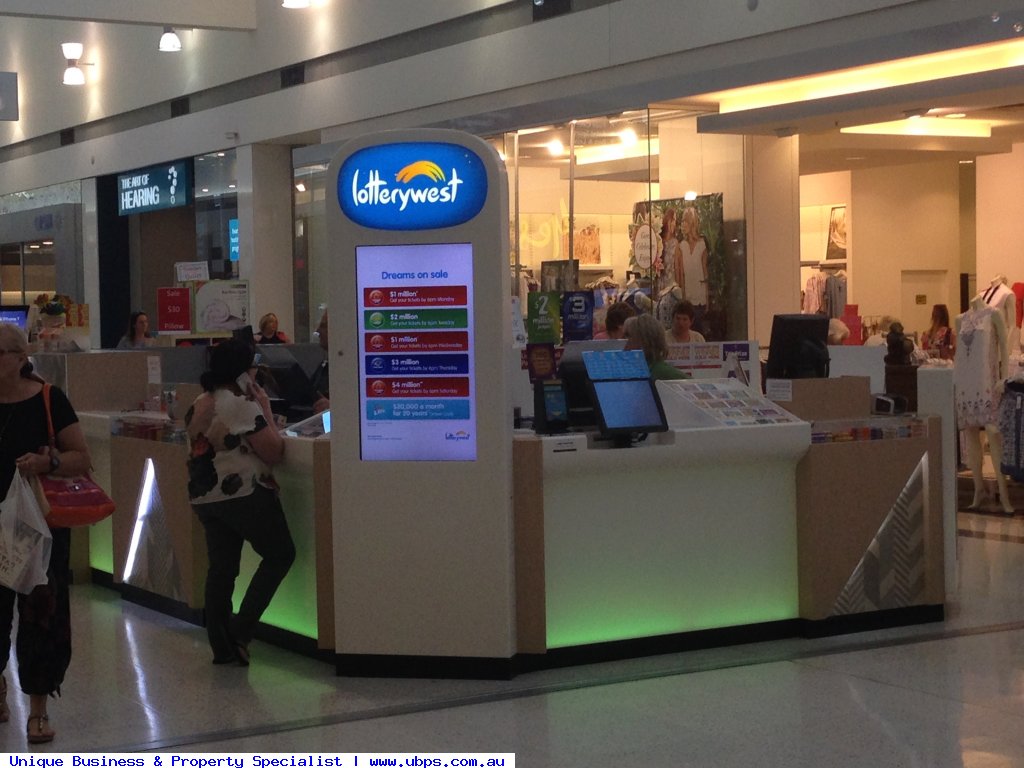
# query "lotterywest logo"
(412, 185)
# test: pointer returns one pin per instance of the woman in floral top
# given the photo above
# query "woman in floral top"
(232, 445)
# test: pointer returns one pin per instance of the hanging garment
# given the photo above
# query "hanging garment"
(1011, 427)
(976, 369)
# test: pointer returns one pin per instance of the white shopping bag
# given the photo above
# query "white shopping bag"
(25, 538)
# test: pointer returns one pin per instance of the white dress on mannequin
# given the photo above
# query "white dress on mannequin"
(979, 369)
(976, 372)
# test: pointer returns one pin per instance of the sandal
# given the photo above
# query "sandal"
(5, 711)
(42, 732)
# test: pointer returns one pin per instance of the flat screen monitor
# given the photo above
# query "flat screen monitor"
(15, 314)
(573, 373)
(626, 408)
(798, 348)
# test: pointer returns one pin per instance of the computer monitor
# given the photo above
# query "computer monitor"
(798, 348)
(627, 408)
(573, 373)
(291, 393)
(15, 314)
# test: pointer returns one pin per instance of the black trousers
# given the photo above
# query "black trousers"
(259, 520)
(43, 646)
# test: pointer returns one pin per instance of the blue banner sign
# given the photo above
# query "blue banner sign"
(412, 186)
(233, 244)
(153, 189)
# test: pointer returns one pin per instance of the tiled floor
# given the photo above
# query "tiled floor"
(949, 694)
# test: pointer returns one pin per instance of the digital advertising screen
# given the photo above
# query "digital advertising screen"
(416, 364)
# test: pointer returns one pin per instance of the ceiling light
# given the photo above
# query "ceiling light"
(691, 195)
(966, 162)
(295, 3)
(628, 136)
(300, 187)
(915, 69)
(556, 148)
(927, 126)
(71, 50)
(955, 115)
(169, 41)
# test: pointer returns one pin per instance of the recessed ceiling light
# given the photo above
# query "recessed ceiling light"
(966, 162)
(206, 189)
(956, 115)
(556, 148)
(295, 3)
(856, 157)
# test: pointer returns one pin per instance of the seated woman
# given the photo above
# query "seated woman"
(137, 336)
(268, 331)
(939, 340)
(644, 332)
(682, 331)
(615, 320)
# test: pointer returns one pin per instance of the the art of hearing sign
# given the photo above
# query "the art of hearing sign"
(155, 188)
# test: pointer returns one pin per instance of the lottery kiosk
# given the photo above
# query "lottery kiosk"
(421, 445)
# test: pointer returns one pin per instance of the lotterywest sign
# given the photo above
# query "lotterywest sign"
(8, 95)
(151, 189)
(412, 186)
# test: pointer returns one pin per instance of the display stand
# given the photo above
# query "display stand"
(874, 556)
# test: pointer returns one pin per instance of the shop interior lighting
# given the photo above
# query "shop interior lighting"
(300, 187)
(169, 41)
(295, 3)
(628, 137)
(556, 148)
(690, 195)
(142, 509)
(602, 153)
(927, 126)
(73, 74)
(915, 69)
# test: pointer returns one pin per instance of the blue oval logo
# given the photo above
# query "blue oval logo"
(412, 185)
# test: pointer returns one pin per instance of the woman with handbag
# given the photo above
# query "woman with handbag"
(43, 645)
(232, 445)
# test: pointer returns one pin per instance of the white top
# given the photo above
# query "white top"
(693, 272)
(976, 368)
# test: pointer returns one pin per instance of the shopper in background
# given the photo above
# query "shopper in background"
(269, 334)
(644, 332)
(43, 645)
(137, 335)
(615, 321)
(320, 379)
(682, 331)
(939, 340)
(232, 445)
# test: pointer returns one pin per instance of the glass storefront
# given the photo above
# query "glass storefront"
(593, 204)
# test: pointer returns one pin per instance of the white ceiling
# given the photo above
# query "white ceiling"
(196, 14)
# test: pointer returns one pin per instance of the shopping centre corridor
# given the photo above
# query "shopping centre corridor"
(945, 694)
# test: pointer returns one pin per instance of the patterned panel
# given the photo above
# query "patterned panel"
(891, 573)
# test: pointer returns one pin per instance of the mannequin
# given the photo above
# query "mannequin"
(981, 363)
(1000, 296)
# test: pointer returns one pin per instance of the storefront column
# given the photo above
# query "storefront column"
(265, 230)
(91, 260)
(773, 235)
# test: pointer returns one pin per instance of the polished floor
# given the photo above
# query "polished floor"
(949, 694)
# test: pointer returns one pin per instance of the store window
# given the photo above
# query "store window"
(26, 271)
(588, 205)
(635, 206)
(216, 209)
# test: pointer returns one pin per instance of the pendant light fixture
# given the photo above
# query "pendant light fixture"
(169, 41)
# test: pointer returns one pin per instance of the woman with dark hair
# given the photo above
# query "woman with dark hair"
(43, 645)
(232, 445)
(137, 335)
(940, 338)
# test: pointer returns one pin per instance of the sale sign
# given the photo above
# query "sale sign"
(174, 310)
